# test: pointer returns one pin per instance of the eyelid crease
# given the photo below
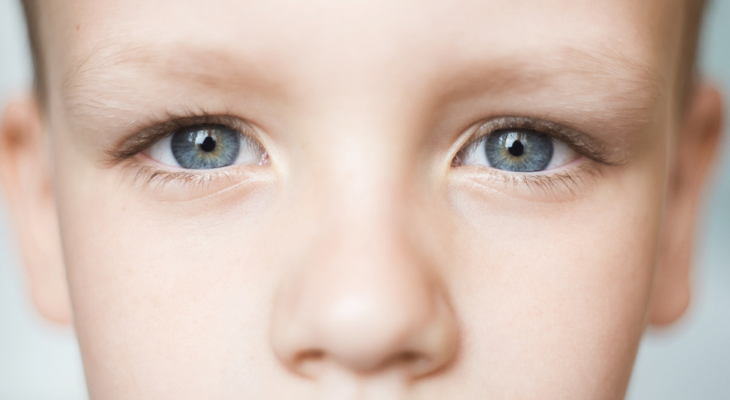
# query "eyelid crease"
(142, 139)
(577, 140)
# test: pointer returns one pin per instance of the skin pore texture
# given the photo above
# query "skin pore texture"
(362, 255)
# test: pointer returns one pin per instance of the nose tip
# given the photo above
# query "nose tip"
(365, 324)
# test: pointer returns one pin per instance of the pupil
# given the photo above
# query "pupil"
(208, 144)
(516, 149)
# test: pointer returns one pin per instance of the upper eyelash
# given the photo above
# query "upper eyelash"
(144, 138)
(578, 141)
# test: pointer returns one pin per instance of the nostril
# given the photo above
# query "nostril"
(414, 363)
(310, 355)
(309, 362)
(410, 357)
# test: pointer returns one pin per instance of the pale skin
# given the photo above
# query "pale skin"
(364, 255)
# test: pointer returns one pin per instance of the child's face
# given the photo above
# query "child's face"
(365, 242)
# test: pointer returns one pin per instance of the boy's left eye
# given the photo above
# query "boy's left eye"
(518, 150)
(205, 147)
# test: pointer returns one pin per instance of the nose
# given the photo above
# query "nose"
(365, 304)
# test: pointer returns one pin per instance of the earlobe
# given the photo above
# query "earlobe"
(696, 148)
(25, 168)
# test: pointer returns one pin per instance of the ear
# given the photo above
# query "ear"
(25, 169)
(695, 151)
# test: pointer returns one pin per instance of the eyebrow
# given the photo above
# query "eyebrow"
(605, 61)
(211, 69)
(216, 68)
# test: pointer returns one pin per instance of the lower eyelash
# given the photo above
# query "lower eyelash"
(149, 176)
(571, 181)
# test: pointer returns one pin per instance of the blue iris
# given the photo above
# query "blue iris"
(519, 150)
(206, 146)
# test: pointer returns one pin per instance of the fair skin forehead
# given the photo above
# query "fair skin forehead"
(360, 243)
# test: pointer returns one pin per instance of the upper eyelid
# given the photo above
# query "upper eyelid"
(577, 140)
(143, 138)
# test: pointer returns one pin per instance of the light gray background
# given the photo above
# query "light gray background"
(688, 361)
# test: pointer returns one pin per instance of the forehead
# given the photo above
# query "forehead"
(373, 32)
(611, 57)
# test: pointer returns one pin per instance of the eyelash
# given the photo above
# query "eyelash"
(547, 183)
(150, 176)
(569, 181)
(130, 148)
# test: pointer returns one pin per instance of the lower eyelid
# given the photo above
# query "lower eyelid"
(182, 186)
(562, 184)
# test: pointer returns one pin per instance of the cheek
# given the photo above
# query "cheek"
(557, 292)
(156, 285)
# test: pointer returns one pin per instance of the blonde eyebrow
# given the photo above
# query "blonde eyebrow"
(210, 68)
(536, 70)
(216, 68)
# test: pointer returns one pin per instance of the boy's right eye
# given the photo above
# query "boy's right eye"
(206, 147)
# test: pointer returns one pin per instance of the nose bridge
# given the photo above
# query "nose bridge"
(362, 296)
(361, 195)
